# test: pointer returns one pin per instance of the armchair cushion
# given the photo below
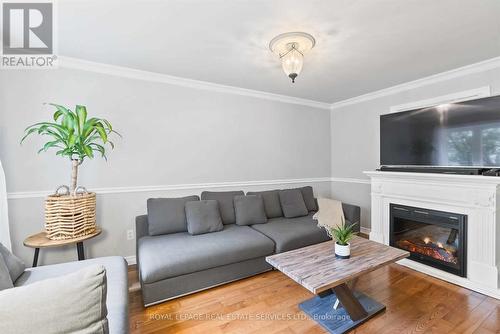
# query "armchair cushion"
(5, 280)
(72, 303)
(14, 264)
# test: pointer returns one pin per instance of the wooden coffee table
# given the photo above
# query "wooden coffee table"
(316, 269)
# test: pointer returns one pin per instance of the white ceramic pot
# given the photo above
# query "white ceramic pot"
(342, 252)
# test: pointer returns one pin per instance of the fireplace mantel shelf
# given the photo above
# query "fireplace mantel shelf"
(477, 197)
(440, 177)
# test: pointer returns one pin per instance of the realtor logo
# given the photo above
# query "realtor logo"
(27, 35)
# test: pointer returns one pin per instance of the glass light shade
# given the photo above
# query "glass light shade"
(292, 63)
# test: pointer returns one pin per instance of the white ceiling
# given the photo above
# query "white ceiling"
(362, 45)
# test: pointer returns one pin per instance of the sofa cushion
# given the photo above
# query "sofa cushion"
(171, 255)
(117, 285)
(167, 215)
(292, 203)
(249, 210)
(226, 205)
(71, 303)
(5, 280)
(272, 204)
(14, 264)
(292, 233)
(203, 217)
(309, 200)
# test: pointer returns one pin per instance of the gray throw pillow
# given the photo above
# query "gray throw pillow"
(5, 280)
(73, 303)
(203, 217)
(249, 210)
(309, 200)
(226, 205)
(14, 264)
(167, 215)
(292, 203)
(272, 204)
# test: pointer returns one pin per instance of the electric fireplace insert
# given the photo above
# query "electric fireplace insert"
(435, 238)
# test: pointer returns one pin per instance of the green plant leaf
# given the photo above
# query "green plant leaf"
(73, 134)
(88, 151)
(81, 112)
(343, 233)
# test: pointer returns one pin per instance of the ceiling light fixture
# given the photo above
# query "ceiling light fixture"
(291, 47)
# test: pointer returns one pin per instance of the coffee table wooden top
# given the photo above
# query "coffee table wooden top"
(317, 269)
(40, 240)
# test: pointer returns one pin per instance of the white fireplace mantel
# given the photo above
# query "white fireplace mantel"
(471, 195)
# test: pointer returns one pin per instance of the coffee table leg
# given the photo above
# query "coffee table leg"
(35, 257)
(350, 302)
(80, 250)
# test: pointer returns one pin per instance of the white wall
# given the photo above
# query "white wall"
(172, 135)
(355, 133)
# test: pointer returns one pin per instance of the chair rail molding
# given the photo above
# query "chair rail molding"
(350, 180)
(186, 186)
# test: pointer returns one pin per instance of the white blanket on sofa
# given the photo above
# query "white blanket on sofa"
(330, 213)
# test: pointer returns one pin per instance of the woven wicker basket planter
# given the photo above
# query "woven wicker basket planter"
(69, 216)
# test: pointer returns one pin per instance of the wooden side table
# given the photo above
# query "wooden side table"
(40, 240)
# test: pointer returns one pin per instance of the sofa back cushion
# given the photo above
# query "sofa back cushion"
(168, 215)
(15, 265)
(72, 303)
(292, 203)
(203, 217)
(309, 200)
(226, 204)
(272, 204)
(5, 280)
(249, 210)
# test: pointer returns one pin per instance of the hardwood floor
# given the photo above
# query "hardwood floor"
(267, 303)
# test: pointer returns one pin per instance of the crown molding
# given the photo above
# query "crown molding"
(471, 94)
(126, 72)
(482, 66)
(193, 186)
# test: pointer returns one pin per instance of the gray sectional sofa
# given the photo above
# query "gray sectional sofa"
(172, 262)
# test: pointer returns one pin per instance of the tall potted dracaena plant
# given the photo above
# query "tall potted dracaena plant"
(74, 136)
(77, 137)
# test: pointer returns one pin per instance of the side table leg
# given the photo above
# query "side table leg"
(35, 257)
(80, 250)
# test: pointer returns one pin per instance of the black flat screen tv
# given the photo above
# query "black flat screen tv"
(464, 134)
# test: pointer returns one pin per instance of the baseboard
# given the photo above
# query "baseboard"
(462, 281)
(365, 230)
(131, 260)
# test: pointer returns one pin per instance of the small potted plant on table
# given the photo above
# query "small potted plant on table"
(342, 234)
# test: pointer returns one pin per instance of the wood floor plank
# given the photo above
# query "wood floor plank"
(268, 303)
